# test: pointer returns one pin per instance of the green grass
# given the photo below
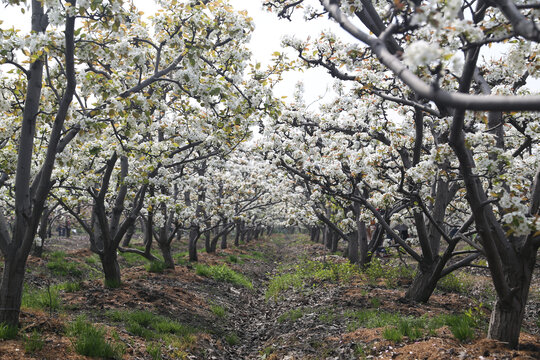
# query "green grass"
(223, 273)
(392, 334)
(233, 259)
(232, 339)
(60, 266)
(280, 283)
(292, 315)
(310, 272)
(89, 340)
(390, 273)
(154, 350)
(46, 298)
(218, 310)
(70, 287)
(181, 258)
(457, 283)
(33, 342)
(396, 325)
(8, 332)
(148, 325)
(156, 266)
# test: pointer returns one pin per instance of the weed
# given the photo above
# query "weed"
(232, 259)
(33, 342)
(232, 339)
(457, 283)
(461, 327)
(8, 332)
(392, 334)
(148, 325)
(154, 350)
(90, 340)
(327, 316)
(60, 266)
(47, 298)
(390, 273)
(360, 351)
(375, 302)
(132, 259)
(92, 259)
(112, 284)
(223, 273)
(291, 315)
(70, 287)
(155, 266)
(218, 310)
(281, 283)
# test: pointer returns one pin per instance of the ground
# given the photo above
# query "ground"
(299, 303)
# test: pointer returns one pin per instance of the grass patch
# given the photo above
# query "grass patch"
(33, 342)
(292, 315)
(8, 332)
(60, 266)
(456, 283)
(218, 310)
(232, 339)
(47, 298)
(310, 271)
(156, 266)
(281, 283)
(90, 340)
(70, 287)
(223, 273)
(392, 334)
(390, 273)
(148, 325)
(233, 259)
(396, 325)
(154, 350)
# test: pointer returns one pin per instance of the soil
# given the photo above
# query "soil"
(255, 327)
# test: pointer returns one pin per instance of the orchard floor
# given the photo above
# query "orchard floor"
(313, 319)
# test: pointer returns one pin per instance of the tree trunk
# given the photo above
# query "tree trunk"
(11, 291)
(129, 235)
(352, 248)
(166, 253)
(208, 242)
(334, 242)
(192, 245)
(424, 283)
(224, 241)
(507, 316)
(111, 269)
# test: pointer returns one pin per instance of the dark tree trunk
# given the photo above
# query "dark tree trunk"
(208, 242)
(507, 316)
(334, 242)
(352, 248)
(424, 283)
(129, 235)
(224, 241)
(111, 269)
(11, 291)
(167, 256)
(192, 245)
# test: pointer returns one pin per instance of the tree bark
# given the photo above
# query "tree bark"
(11, 291)
(424, 283)
(192, 245)
(167, 256)
(111, 269)
(507, 316)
